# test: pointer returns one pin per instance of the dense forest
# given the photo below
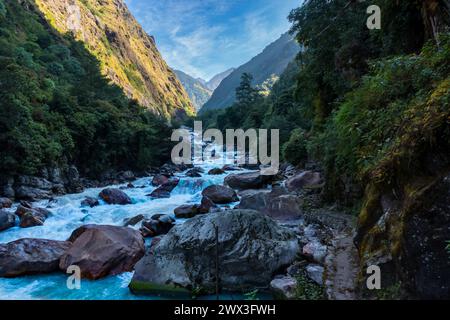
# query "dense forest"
(57, 109)
(371, 108)
(353, 96)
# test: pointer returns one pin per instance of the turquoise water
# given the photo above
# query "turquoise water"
(68, 215)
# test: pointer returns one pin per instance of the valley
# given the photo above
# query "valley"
(88, 180)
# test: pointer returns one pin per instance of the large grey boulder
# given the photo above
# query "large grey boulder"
(252, 247)
(277, 203)
(101, 250)
(30, 256)
(304, 180)
(248, 180)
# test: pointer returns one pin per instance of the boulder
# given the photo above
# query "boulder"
(159, 179)
(101, 250)
(186, 211)
(220, 194)
(165, 189)
(5, 203)
(31, 217)
(115, 196)
(315, 251)
(7, 220)
(30, 256)
(32, 194)
(74, 183)
(126, 176)
(90, 202)
(304, 180)
(251, 248)
(315, 273)
(206, 205)
(283, 287)
(158, 224)
(276, 203)
(216, 171)
(133, 221)
(248, 180)
(194, 173)
(229, 167)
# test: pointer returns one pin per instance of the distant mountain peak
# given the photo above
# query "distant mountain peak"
(218, 78)
(272, 61)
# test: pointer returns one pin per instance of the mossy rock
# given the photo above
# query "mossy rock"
(161, 290)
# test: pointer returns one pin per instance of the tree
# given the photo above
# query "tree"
(245, 93)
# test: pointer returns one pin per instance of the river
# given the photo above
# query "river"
(68, 215)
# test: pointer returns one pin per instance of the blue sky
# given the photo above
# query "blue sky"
(206, 37)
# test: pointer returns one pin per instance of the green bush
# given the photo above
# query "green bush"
(295, 151)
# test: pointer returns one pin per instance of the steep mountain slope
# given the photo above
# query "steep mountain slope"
(272, 61)
(218, 78)
(196, 88)
(128, 55)
(57, 110)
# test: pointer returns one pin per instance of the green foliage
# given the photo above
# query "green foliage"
(295, 150)
(308, 289)
(373, 123)
(57, 109)
(252, 295)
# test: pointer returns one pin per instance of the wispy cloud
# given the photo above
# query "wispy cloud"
(205, 37)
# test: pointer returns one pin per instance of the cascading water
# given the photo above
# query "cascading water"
(68, 214)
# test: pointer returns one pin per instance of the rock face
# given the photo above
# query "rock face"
(306, 179)
(277, 203)
(103, 250)
(406, 237)
(30, 256)
(115, 196)
(220, 194)
(251, 248)
(5, 203)
(248, 180)
(128, 55)
(7, 220)
(31, 217)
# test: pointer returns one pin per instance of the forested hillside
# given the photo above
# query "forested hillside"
(128, 56)
(57, 109)
(372, 107)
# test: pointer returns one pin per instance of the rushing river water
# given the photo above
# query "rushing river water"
(68, 214)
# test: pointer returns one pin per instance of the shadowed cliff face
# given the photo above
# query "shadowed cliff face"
(128, 55)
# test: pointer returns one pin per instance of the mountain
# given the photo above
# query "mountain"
(59, 115)
(128, 55)
(272, 61)
(195, 87)
(218, 78)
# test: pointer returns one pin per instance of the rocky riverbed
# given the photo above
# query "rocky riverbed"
(155, 237)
